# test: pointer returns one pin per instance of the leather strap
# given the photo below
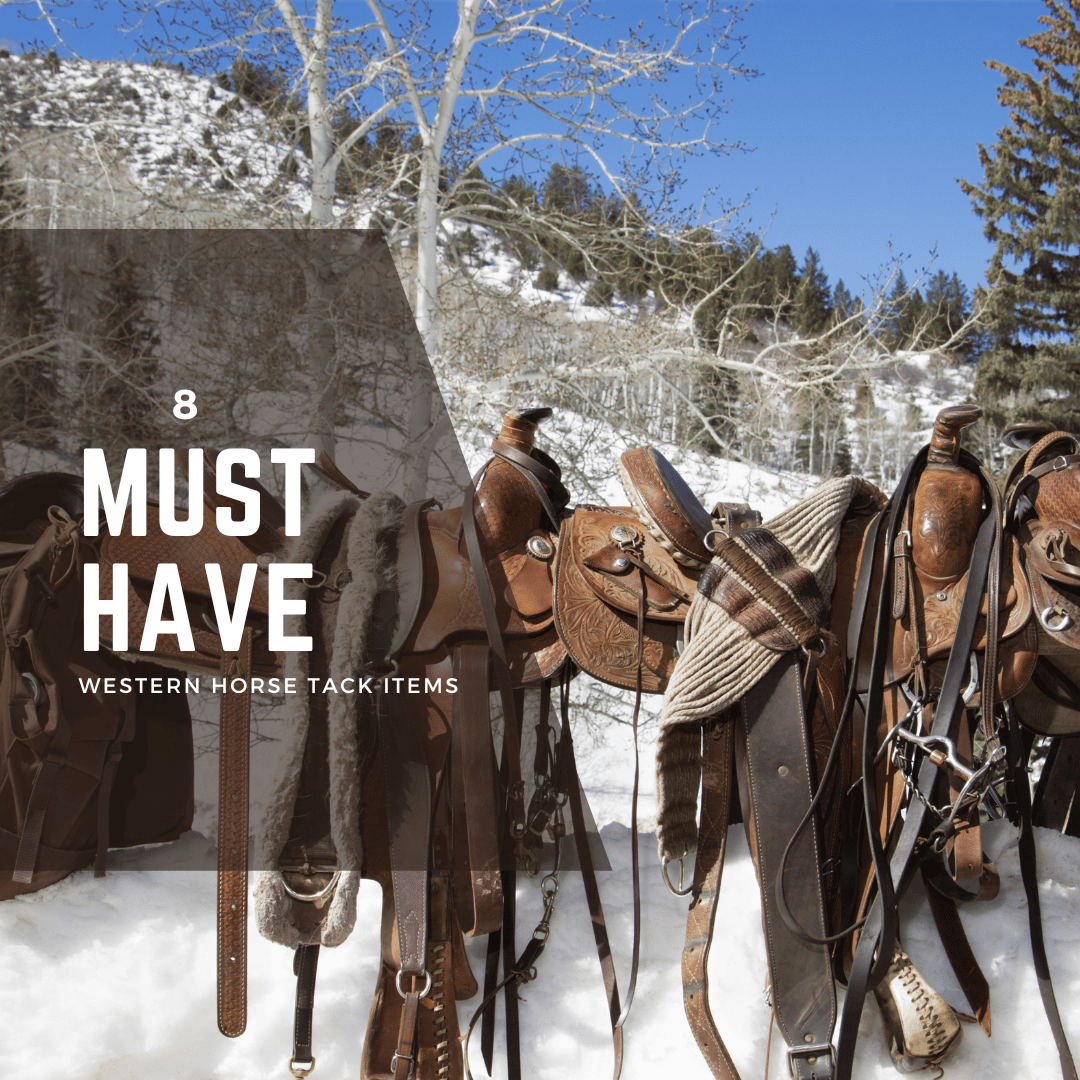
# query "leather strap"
(775, 789)
(515, 794)
(233, 839)
(958, 950)
(408, 814)
(53, 761)
(305, 965)
(475, 795)
(403, 1064)
(1017, 762)
(718, 751)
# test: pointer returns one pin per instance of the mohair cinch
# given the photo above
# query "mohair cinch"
(722, 661)
(370, 572)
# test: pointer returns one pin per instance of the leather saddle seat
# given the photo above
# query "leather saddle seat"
(933, 615)
(450, 608)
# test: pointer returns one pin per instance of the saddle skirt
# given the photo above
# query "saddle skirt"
(600, 587)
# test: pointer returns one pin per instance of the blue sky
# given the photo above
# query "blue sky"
(863, 116)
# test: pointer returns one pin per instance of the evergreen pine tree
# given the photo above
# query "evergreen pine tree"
(811, 310)
(1030, 201)
(783, 279)
(843, 306)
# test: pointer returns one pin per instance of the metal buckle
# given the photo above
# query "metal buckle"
(811, 1054)
(681, 890)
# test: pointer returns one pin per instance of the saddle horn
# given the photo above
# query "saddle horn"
(507, 505)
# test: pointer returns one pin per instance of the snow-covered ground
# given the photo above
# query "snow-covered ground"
(114, 978)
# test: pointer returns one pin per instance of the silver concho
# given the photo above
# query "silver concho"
(540, 547)
(624, 534)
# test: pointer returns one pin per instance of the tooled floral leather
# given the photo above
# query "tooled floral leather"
(596, 612)
(937, 611)
(596, 555)
(945, 518)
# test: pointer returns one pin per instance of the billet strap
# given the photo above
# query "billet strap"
(718, 751)
(474, 792)
(774, 770)
(403, 1063)
(515, 794)
(233, 839)
(305, 965)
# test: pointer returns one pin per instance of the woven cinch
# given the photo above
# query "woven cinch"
(721, 661)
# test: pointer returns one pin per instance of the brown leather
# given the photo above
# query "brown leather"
(596, 600)
(233, 841)
(716, 787)
(936, 616)
(450, 608)
(666, 505)
(776, 783)
(478, 881)
(961, 958)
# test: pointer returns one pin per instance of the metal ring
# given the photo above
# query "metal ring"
(423, 993)
(714, 532)
(680, 891)
(36, 687)
(299, 1071)
(325, 891)
(1064, 619)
